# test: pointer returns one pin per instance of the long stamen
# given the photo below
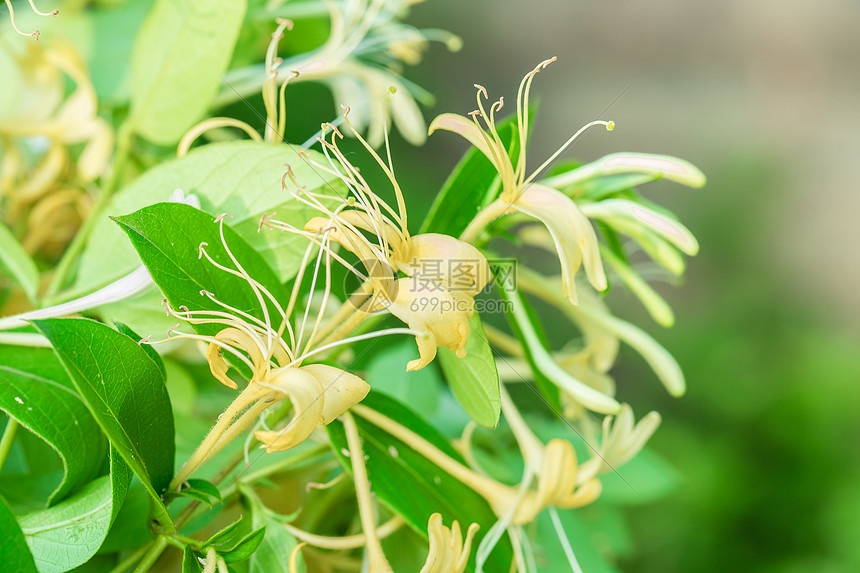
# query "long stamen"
(263, 306)
(401, 202)
(523, 115)
(312, 290)
(351, 339)
(610, 125)
(209, 124)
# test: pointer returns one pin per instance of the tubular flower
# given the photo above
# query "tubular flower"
(318, 393)
(555, 466)
(442, 273)
(622, 439)
(449, 552)
(38, 173)
(361, 61)
(573, 236)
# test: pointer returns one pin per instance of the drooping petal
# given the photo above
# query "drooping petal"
(621, 213)
(574, 237)
(455, 263)
(305, 392)
(239, 340)
(343, 390)
(427, 307)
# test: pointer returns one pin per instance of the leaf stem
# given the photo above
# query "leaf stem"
(152, 555)
(7, 440)
(123, 565)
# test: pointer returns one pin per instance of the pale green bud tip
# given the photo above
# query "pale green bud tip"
(610, 125)
(454, 43)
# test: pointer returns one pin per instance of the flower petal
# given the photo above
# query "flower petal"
(467, 129)
(455, 263)
(621, 213)
(427, 307)
(574, 237)
(306, 394)
(343, 389)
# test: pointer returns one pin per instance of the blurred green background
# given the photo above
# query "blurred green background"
(763, 97)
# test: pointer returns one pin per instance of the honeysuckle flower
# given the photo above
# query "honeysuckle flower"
(592, 313)
(35, 33)
(658, 234)
(573, 236)
(125, 288)
(443, 274)
(273, 353)
(535, 235)
(449, 552)
(556, 472)
(360, 62)
(622, 439)
(657, 166)
(43, 179)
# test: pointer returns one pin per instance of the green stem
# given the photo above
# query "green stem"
(484, 219)
(123, 565)
(152, 555)
(124, 140)
(7, 440)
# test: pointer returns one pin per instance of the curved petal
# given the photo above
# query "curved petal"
(443, 316)
(306, 394)
(574, 237)
(625, 212)
(343, 390)
(467, 129)
(455, 263)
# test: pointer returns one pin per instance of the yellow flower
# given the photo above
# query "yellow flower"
(318, 393)
(622, 439)
(574, 238)
(443, 273)
(449, 553)
(44, 184)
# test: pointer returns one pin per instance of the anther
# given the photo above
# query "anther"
(220, 217)
(144, 340)
(286, 23)
(483, 90)
(200, 249)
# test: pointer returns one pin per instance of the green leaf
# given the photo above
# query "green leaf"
(190, 564)
(245, 547)
(150, 351)
(225, 537)
(474, 378)
(472, 185)
(411, 485)
(240, 178)
(273, 554)
(528, 325)
(37, 392)
(179, 58)
(14, 553)
(18, 263)
(70, 533)
(167, 237)
(124, 390)
(199, 489)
